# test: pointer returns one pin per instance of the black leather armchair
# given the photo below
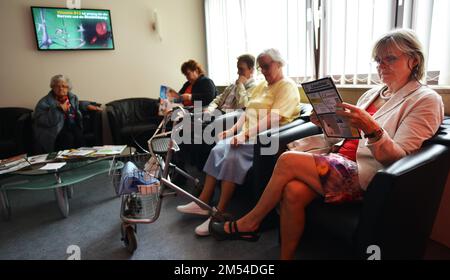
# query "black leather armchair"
(399, 206)
(199, 153)
(133, 120)
(92, 125)
(265, 157)
(269, 145)
(15, 131)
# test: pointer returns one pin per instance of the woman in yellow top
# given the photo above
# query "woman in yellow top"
(273, 102)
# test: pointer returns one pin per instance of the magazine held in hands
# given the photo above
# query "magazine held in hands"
(169, 98)
(323, 96)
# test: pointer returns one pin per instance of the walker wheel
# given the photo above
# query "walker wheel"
(129, 238)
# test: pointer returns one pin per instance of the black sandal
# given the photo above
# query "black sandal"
(217, 231)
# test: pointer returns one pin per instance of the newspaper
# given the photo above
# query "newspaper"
(323, 96)
(169, 99)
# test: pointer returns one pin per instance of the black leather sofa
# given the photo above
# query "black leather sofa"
(15, 131)
(92, 126)
(264, 156)
(399, 206)
(133, 120)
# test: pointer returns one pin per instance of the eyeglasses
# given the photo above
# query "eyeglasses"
(265, 67)
(387, 60)
(61, 86)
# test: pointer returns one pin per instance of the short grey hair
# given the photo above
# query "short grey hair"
(274, 54)
(406, 41)
(55, 79)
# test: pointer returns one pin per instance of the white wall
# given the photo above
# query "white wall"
(136, 68)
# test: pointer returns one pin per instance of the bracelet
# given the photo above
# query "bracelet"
(376, 134)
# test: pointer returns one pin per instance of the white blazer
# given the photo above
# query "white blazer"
(410, 117)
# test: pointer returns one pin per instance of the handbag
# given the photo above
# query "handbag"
(315, 144)
(132, 178)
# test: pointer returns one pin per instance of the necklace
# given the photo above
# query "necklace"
(384, 97)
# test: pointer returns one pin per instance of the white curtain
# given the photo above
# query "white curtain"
(431, 20)
(235, 27)
(342, 30)
(351, 28)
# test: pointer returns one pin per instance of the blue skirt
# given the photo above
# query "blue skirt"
(229, 163)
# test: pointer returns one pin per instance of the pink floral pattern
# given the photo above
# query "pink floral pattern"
(339, 178)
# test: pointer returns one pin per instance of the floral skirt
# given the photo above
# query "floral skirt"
(339, 178)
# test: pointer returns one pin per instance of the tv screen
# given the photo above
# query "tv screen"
(72, 29)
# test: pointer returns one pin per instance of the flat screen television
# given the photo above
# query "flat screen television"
(72, 29)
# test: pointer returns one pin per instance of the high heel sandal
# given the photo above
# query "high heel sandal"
(217, 231)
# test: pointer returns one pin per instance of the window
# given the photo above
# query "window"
(235, 27)
(432, 22)
(323, 37)
(349, 29)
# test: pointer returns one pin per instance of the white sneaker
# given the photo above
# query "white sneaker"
(203, 229)
(192, 208)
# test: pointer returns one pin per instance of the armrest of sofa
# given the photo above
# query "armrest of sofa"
(442, 136)
(22, 132)
(93, 128)
(113, 123)
(226, 121)
(401, 203)
(269, 147)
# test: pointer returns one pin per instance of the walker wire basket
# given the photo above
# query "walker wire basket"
(138, 206)
(143, 180)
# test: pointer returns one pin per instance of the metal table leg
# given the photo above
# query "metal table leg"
(69, 191)
(6, 208)
(62, 200)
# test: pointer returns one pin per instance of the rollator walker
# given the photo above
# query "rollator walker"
(144, 205)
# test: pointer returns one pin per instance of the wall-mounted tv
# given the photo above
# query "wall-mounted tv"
(72, 29)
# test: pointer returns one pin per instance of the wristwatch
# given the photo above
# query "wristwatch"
(374, 136)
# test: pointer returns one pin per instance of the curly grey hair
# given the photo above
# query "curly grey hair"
(274, 54)
(55, 79)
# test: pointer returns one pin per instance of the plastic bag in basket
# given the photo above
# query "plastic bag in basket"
(152, 166)
(132, 177)
(149, 189)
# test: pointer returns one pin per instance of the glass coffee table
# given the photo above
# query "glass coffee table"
(61, 180)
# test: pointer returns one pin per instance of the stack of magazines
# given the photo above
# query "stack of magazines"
(13, 163)
(96, 151)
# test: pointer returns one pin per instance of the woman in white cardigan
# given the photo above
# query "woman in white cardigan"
(394, 120)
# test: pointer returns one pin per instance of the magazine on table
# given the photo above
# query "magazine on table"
(109, 150)
(323, 96)
(168, 99)
(13, 163)
(96, 151)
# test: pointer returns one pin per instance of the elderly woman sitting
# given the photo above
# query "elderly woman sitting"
(274, 101)
(394, 119)
(198, 87)
(57, 118)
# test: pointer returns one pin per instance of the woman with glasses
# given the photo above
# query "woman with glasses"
(272, 102)
(57, 123)
(394, 119)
